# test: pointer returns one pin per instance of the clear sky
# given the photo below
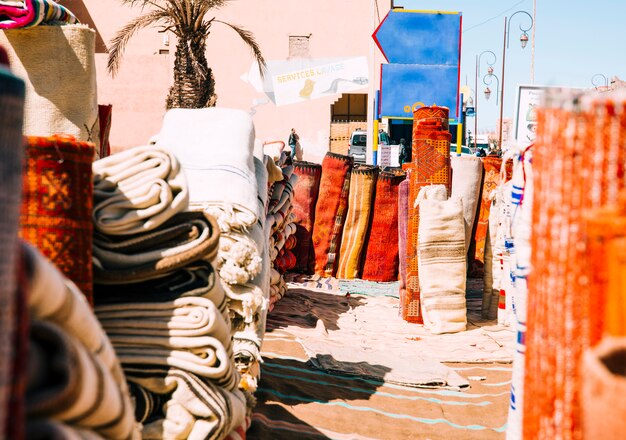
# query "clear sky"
(575, 39)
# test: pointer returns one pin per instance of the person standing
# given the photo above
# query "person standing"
(293, 142)
(406, 152)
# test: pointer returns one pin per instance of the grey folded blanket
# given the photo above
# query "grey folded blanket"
(184, 239)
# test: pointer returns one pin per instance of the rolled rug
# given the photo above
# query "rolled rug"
(196, 410)
(403, 219)
(603, 389)
(263, 186)
(214, 146)
(467, 172)
(54, 106)
(45, 429)
(62, 376)
(357, 223)
(184, 239)
(55, 299)
(198, 279)
(442, 264)
(503, 205)
(286, 196)
(382, 254)
(137, 190)
(29, 13)
(208, 359)
(12, 91)
(305, 199)
(57, 205)
(105, 118)
(184, 317)
(330, 212)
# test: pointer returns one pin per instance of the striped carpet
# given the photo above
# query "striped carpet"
(297, 401)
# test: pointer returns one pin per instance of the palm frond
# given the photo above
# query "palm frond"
(249, 39)
(120, 41)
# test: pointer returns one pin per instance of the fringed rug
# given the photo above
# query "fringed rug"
(355, 232)
(305, 199)
(330, 212)
(381, 255)
(563, 304)
(57, 206)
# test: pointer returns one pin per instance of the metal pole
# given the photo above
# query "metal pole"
(502, 86)
(532, 55)
(476, 106)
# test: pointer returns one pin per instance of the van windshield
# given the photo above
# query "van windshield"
(359, 140)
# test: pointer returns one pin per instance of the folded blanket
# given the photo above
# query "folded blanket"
(246, 301)
(196, 409)
(137, 190)
(11, 158)
(286, 195)
(42, 429)
(442, 264)
(215, 146)
(184, 317)
(239, 258)
(184, 239)
(205, 356)
(57, 204)
(197, 279)
(29, 13)
(56, 106)
(63, 375)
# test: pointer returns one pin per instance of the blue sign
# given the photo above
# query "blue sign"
(406, 87)
(420, 37)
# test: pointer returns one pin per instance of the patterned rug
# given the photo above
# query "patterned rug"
(56, 215)
(356, 228)
(381, 254)
(330, 212)
(305, 199)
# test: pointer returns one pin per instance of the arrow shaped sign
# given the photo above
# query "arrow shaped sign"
(420, 37)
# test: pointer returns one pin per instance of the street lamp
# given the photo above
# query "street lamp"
(487, 90)
(523, 41)
(606, 81)
(489, 72)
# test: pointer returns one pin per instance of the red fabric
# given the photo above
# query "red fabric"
(305, 198)
(330, 212)
(57, 205)
(104, 116)
(381, 255)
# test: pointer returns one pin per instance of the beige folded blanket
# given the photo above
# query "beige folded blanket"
(239, 257)
(137, 190)
(62, 378)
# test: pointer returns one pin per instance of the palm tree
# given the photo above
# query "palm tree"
(194, 85)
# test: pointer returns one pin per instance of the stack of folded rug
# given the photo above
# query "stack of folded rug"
(29, 13)
(228, 179)
(69, 357)
(159, 298)
(282, 229)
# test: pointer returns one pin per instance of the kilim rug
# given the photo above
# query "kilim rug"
(403, 230)
(58, 203)
(356, 228)
(305, 199)
(381, 255)
(491, 179)
(11, 152)
(588, 133)
(330, 212)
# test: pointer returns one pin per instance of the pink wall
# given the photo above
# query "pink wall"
(138, 92)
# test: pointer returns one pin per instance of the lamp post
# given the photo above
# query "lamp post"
(599, 75)
(523, 41)
(487, 90)
(489, 72)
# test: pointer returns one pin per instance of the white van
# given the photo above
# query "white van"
(358, 144)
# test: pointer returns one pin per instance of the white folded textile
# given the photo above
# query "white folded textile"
(467, 174)
(137, 190)
(215, 148)
(442, 264)
(207, 358)
(245, 301)
(239, 258)
(184, 317)
(196, 410)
